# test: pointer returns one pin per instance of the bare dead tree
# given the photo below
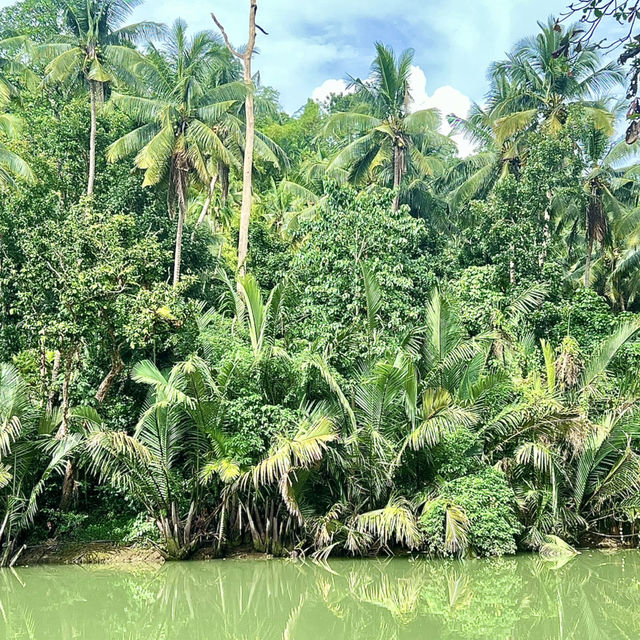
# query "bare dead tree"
(246, 57)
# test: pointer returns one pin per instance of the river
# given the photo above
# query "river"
(594, 595)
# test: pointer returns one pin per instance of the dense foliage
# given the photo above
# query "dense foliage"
(427, 352)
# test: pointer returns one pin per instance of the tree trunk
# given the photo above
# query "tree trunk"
(63, 430)
(54, 377)
(43, 370)
(68, 498)
(68, 485)
(512, 267)
(223, 172)
(587, 264)
(247, 169)
(546, 233)
(92, 137)
(117, 365)
(245, 210)
(398, 174)
(182, 214)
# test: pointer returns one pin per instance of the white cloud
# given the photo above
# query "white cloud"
(328, 87)
(446, 99)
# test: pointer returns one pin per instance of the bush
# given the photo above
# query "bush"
(251, 425)
(488, 502)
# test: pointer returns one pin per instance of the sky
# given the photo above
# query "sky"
(313, 45)
(313, 41)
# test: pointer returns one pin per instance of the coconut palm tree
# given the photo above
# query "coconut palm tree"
(384, 135)
(473, 177)
(183, 118)
(12, 51)
(98, 50)
(544, 84)
(533, 88)
(11, 164)
(610, 187)
(619, 263)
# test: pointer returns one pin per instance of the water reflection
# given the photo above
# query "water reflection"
(593, 596)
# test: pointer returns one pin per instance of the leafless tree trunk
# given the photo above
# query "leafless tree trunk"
(246, 56)
(398, 173)
(92, 136)
(181, 193)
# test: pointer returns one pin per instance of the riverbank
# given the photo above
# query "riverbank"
(102, 552)
(114, 553)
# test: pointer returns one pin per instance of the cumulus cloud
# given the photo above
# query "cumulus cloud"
(327, 88)
(447, 100)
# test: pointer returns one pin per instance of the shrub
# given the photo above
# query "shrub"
(488, 503)
(251, 425)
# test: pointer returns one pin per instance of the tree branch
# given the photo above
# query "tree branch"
(226, 37)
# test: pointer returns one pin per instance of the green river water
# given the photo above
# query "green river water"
(594, 595)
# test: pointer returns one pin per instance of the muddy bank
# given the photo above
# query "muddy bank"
(88, 553)
(113, 553)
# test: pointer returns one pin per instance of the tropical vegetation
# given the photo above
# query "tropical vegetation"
(420, 352)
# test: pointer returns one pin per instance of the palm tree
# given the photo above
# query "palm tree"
(184, 118)
(176, 450)
(338, 474)
(25, 442)
(533, 88)
(11, 51)
(610, 188)
(543, 84)
(620, 261)
(14, 407)
(385, 135)
(11, 164)
(98, 51)
(473, 177)
(556, 454)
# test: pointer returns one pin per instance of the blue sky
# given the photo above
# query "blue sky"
(311, 41)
